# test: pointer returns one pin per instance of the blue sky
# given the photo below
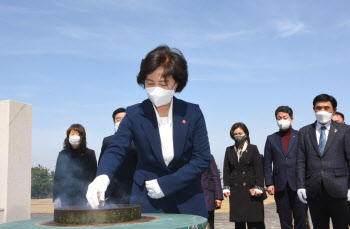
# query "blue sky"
(77, 61)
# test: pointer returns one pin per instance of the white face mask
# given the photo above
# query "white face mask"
(116, 125)
(283, 124)
(159, 96)
(323, 117)
(74, 140)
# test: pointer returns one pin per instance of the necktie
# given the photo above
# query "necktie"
(323, 140)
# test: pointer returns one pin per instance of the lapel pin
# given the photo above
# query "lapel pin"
(293, 136)
(336, 130)
(246, 150)
(184, 121)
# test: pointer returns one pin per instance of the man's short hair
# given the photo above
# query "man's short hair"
(340, 114)
(285, 109)
(325, 98)
(119, 110)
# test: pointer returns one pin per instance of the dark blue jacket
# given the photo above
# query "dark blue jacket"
(331, 169)
(181, 180)
(284, 165)
(119, 189)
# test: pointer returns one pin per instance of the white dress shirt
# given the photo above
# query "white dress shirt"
(318, 130)
(165, 125)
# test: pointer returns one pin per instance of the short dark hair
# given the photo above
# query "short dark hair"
(82, 134)
(119, 110)
(285, 109)
(173, 62)
(325, 98)
(340, 114)
(241, 126)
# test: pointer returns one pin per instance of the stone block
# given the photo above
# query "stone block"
(15, 163)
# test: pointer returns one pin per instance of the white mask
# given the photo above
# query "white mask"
(74, 140)
(116, 125)
(323, 117)
(159, 96)
(283, 124)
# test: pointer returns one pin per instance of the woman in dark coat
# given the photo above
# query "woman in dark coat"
(75, 168)
(244, 180)
(212, 190)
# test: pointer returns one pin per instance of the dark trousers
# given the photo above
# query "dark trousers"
(251, 225)
(323, 207)
(289, 206)
(211, 219)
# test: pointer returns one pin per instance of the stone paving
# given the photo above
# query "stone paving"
(271, 219)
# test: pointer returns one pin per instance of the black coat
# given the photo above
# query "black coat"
(119, 190)
(332, 169)
(75, 170)
(242, 176)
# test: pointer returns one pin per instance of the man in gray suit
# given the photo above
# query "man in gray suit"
(323, 165)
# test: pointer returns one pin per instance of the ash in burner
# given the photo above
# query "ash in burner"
(85, 215)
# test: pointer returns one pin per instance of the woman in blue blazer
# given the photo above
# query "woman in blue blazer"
(170, 137)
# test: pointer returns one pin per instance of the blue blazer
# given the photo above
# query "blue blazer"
(284, 165)
(181, 180)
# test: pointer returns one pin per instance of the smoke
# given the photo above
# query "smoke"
(74, 172)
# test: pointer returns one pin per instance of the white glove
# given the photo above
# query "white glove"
(154, 191)
(99, 185)
(302, 195)
(349, 195)
(57, 203)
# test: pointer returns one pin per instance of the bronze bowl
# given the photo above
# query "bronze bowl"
(85, 215)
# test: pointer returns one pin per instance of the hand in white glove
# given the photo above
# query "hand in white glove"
(302, 195)
(99, 185)
(57, 203)
(154, 191)
(349, 195)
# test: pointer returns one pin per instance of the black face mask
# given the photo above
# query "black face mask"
(239, 140)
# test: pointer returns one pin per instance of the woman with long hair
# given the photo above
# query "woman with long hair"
(75, 168)
(244, 180)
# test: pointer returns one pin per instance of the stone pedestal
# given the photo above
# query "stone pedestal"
(161, 221)
(15, 163)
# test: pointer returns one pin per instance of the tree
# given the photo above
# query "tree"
(219, 171)
(42, 182)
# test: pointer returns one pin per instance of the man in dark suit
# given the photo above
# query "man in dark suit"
(281, 152)
(120, 189)
(323, 164)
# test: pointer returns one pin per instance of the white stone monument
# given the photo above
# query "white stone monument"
(15, 160)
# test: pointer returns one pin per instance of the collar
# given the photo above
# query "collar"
(165, 120)
(244, 147)
(286, 132)
(319, 125)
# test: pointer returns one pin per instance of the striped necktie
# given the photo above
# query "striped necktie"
(323, 140)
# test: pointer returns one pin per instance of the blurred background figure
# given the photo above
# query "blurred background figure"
(338, 117)
(280, 165)
(118, 192)
(211, 184)
(244, 180)
(75, 168)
